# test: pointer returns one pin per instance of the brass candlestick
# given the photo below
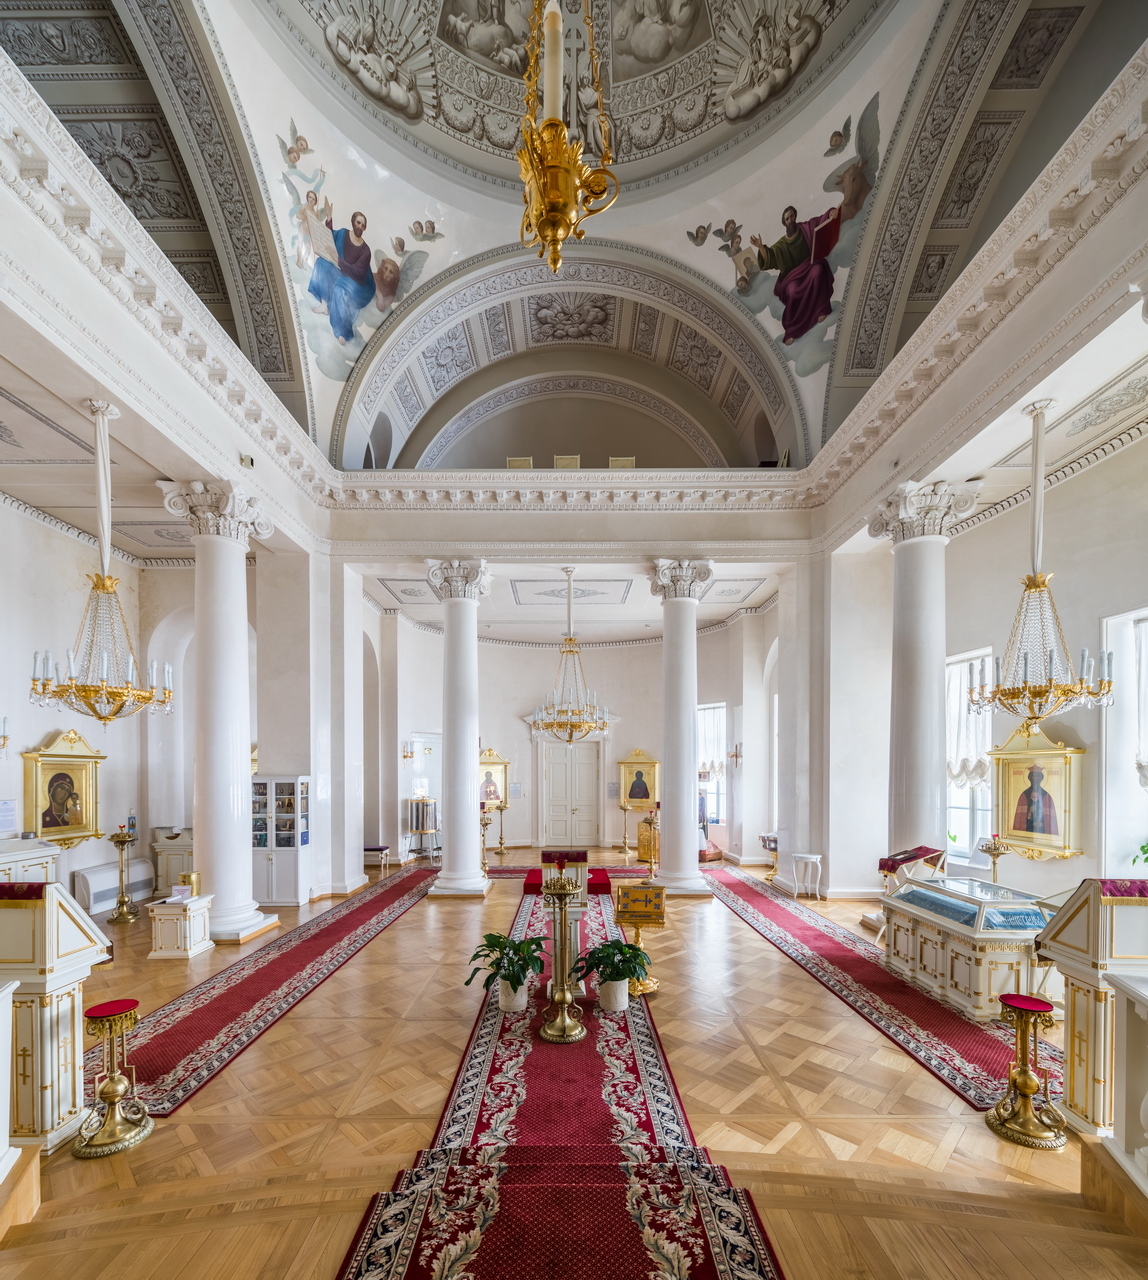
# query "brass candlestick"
(1025, 1114)
(996, 849)
(126, 910)
(502, 807)
(563, 1015)
(484, 820)
(642, 986)
(624, 849)
(126, 1121)
(649, 844)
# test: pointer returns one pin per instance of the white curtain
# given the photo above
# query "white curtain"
(968, 735)
(1140, 635)
(711, 738)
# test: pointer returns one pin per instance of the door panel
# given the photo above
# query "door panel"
(570, 794)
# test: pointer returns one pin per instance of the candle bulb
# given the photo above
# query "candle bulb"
(151, 673)
(1024, 668)
(131, 668)
(1109, 666)
(1091, 666)
(997, 672)
(47, 664)
(1083, 661)
(552, 62)
(103, 664)
(36, 665)
(1051, 662)
(167, 675)
(71, 665)
(970, 679)
(982, 673)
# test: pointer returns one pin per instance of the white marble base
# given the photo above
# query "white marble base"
(180, 930)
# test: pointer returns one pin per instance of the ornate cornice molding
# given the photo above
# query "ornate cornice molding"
(589, 385)
(952, 93)
(216, 508)
(680, 579)
(922, 511)
(459, 579)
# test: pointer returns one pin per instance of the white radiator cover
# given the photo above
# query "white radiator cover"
(96, 888)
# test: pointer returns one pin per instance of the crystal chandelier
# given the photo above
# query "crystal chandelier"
(103, 678)
(571, 711)
(1036, 679)
(560, 190)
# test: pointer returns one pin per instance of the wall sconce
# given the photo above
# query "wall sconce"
(735, 754)
(408, 754)
(4, 739)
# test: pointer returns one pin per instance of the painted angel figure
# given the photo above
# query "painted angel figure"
(424, 231)
(394, 280)
(857, 176)
(308, 217)
(839, 138)
(726, 234)
(699, 236)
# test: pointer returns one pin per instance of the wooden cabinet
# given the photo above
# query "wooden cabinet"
(281, 840)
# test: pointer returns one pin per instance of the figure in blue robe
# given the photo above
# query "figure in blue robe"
(344, 290)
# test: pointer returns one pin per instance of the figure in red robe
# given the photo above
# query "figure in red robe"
(1035, 808)
(805, 280)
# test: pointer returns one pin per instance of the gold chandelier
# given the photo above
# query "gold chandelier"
(1036, 679)
(571, 711)
(103, 679)
(560, 190)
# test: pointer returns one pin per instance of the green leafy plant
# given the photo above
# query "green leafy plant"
(1142, 856)
(612, 962)
(512, 961)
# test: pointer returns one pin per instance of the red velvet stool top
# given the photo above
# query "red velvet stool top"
(113, 1008)
(1029, 1004)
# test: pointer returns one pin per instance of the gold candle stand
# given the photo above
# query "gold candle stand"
(624, 849)
(126, 910)
(650, 844)
(642, 986)
(563, 1015)
(1025, 1114)
(996, 849)
(502, 807)
(126, 1121)
(484, 821)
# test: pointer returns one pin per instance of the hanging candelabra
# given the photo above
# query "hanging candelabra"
(571, 711)
(1036, 679)
(560, 190)
(103, 679)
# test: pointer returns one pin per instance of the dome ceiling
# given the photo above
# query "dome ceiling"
(684, 79)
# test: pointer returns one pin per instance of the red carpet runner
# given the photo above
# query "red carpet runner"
(178, 1048)
(972, 1058)
(562, 1162)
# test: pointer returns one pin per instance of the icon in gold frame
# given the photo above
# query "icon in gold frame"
(639, 781)
(61, 790)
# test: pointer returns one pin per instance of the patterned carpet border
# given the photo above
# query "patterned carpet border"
(979, 1087)
(208, 1057)
(512, 870)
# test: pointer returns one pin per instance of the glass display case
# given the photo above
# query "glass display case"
(969, 941)
(280, 840)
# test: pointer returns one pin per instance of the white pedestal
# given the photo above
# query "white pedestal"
(180, 930)
(173, 857)
(48, 945)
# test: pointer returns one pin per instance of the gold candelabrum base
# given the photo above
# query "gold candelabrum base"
(1025, 1114)
(995, 849)
(502, 807)
(560, 190)
(642, 986)
(126, 910)
(563, 1015)
(484, 821)
(650, 845)
(125, 1121)
(624, 848)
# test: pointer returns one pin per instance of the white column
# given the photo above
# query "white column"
(680, 584)
(222, 517)
(917, 518)
(460, 584)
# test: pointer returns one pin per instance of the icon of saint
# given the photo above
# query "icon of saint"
(489, 790)
(1035, 808)
(638, 788)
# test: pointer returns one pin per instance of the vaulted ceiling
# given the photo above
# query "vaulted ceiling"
(920, 122)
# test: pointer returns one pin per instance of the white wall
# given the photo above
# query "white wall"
(44, 588)
(1096, 531)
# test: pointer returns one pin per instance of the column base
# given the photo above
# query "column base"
(757, 858)
(238, 927)
(684, 885)
(459, 886)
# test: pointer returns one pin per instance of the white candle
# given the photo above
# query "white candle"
(1051, 665)
(997, 672)
(71, 665)
(552, 62)
(103, 664)
(1024, 668)
(167, 675)
(131, 668)
(971, 682)
(151, 668)
(59, 674)
(1083, 660)
(1110, 665)
(47, 664)
(982, 673)
(36, 665)
(1090, 667)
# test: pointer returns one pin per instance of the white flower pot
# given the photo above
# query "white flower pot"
(512, 1001)
(614, 996)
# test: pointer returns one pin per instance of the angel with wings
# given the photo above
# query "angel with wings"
(394, 280)
(308, 217)
(294, 151)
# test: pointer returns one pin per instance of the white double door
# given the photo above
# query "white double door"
(570, 794)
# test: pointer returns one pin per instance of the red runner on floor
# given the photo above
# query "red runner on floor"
(177, 1049)
(972, 1058)
(562, 1162)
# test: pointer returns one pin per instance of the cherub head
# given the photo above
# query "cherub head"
(293, 155)
(836, 139)
(700, 232)
(428, 227)
(399, 244)
(301, 144)
(313, 198)
(743, 284)
(417, 228)
(735, 244)
(730, 224)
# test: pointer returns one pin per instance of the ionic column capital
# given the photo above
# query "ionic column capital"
(915, 510)
(216, 507)
(459, 579)
(680, 579)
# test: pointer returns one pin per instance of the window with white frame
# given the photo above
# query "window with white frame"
(712, 760)
(968, 738)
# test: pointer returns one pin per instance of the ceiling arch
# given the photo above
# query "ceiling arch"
(679, 336)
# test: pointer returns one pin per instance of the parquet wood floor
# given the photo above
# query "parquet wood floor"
(862, 1165)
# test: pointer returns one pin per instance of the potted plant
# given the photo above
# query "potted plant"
(615, 963)
(511, 963)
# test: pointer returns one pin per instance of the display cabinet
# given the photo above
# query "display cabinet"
(280, 840)
(969, 941)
